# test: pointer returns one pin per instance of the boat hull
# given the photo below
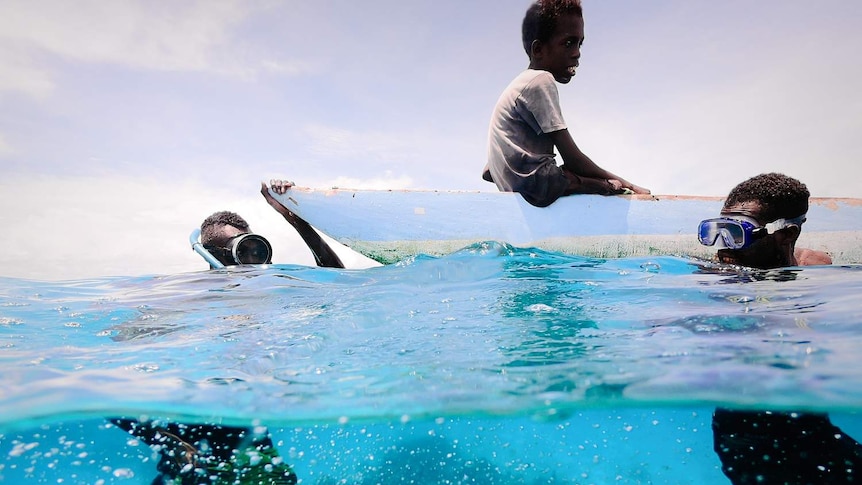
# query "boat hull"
(390, 225)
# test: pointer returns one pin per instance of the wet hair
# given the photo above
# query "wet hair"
(540, 22)
(780, 196)
(211, 227)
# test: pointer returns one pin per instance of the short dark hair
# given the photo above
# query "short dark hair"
(780, 196)
(540, 22)
(210, 234)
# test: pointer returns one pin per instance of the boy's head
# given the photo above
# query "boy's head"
(552, 32)
(220, 227)
(540, 22)
(767, 199)
(778, 196)
(228, 238)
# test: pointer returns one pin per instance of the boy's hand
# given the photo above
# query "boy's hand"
(639, 190)
(280, 186)
(636, 189)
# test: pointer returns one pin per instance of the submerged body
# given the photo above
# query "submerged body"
(578, 367)
(760, 224)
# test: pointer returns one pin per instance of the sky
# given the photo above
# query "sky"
(123, 124)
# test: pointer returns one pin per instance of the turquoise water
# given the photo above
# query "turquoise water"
(490, 365)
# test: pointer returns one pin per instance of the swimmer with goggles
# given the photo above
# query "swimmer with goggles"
(740, 232)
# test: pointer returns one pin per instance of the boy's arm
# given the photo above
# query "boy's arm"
(577, 162)
(324, 255)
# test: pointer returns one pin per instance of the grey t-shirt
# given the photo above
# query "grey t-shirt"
(520, 152)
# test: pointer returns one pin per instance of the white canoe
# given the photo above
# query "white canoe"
(390, 225)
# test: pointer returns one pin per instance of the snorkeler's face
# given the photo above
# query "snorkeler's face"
(561, 53)
(775, 250)
(226, 233)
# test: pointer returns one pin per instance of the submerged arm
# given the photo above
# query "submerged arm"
(324, 255)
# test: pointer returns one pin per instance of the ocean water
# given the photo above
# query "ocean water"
(490, 365)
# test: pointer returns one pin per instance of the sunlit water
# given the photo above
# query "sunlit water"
(490, 365)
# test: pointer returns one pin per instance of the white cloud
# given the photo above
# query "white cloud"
(360, 145)
(5, 148)
(195, 35)
(293, 68)
(18, 74)
(388, 181)
(156, 35)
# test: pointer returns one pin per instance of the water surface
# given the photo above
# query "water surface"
(511, 365)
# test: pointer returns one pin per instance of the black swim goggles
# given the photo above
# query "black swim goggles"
(243, 249)
(739, 232)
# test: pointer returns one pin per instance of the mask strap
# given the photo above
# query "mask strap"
(780, 224)
(194, 240)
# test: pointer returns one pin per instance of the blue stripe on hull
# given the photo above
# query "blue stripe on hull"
(388, 225)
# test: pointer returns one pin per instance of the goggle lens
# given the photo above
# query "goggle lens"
(243, 249)
(252, 249)
(726, 233)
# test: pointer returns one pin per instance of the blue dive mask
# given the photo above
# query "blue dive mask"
(739, 232)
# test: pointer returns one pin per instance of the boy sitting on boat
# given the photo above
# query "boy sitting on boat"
(528, 124)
